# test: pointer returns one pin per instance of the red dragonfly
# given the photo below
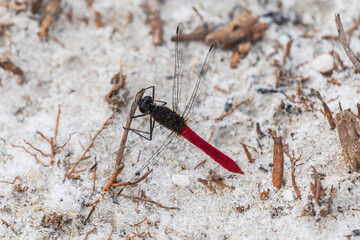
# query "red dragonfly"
(176, 119)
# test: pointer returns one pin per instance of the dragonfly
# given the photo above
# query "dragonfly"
(183, 107)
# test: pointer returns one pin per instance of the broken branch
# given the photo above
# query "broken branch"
(120, 154)
(342, 36)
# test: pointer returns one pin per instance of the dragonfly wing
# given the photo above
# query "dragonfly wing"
(203, 76)
(157, 152)
(181, 71)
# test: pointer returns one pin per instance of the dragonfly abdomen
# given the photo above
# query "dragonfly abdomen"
(211, 151)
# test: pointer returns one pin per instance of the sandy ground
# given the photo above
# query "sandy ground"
(77, 77)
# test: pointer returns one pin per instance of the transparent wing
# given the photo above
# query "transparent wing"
(181, 71)
(157, 152)
(140, 141)
(203, 75)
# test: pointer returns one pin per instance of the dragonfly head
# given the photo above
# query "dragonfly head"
(146, 104)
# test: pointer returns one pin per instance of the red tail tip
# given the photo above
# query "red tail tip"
(237, 170)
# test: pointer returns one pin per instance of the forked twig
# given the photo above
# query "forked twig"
(83, 156)
(293, 161)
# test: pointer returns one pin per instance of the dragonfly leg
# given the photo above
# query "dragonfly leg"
(145, 134)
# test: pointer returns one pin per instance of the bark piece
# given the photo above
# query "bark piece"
(244, 26)
(348, 130)
(278, 161)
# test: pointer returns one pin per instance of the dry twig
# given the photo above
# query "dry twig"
(328, 113)
(51, 141)
(83, 156)
(302, 100)
(211, 134)
(198, 34)
(17, 6)
(98, 22)
(221, 90)
(200, 163)
(119, 81)
(120, 154)
(293, 161)
(214, 177)
(244, 26)
(35, 6)
(326, 210)
(52, 12)
(112, 230)
(240, 53)
(278, 161)
(93, 169)
(221, 117)
(134, 182)
(155, 22)
(88, 233)
(96, 201)
(9, 226)
(248, 155)
(342, 36)
(148, 200)
(316, 188)
(7, 65)
(264, 194)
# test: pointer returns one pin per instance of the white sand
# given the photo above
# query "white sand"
(78, 75)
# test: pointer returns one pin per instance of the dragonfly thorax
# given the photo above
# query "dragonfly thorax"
(146, 104)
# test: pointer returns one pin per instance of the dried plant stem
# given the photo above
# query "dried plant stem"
(120, 153)
(96, 201)
(147, 200)
(83, 156)
(155, 21)
(9, 226)
(90, 213)
(98, 22)
(8, 65)
(211, 134)
(278, 161)
(293, 161)
(112, 230)
(349, 52)
(248, 155)
(93, 170)
(199, 164)
(132, 183)
(89, 232)
(119, 81)
(67, 169)
(264, 194)
(16, 6)
(32, 154)
(232, 109)
(327, 111)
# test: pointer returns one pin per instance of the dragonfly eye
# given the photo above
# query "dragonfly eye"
(144, 104)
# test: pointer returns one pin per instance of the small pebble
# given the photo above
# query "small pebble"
(323, 63)
(229, 103)
(288, 195)
(181, 180)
